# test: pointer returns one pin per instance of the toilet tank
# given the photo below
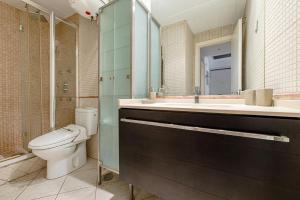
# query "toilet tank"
(87, 117)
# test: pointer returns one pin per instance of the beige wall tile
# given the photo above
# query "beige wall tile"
(88, 73)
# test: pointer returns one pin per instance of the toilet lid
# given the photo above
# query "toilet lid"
(56, 138)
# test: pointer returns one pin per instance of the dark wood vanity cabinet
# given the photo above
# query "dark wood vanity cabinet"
(179, 164)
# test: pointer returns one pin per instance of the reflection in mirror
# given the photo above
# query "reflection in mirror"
(201, 45)
(216, 63)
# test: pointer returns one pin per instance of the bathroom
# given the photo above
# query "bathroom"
(105, 99)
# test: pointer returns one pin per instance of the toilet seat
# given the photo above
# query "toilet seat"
(57, 138)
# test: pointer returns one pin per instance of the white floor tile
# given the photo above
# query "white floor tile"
(79, 185)
(91, 164)
(41, 187)
(80, 179)
(102, 194)
(11, 190)
(82, 194)
(47, 198)
(2, 182)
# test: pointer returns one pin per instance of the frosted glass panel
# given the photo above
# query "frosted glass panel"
(155, 68)
(115, 23)
(122, 82)
(141, 53)
(122, 57)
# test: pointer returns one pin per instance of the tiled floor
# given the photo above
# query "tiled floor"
(79, 185)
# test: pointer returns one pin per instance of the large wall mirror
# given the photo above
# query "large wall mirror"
(215, 46)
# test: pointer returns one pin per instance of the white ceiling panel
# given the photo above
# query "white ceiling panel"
(201, 15)
(61, 8)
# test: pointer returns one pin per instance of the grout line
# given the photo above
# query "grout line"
(74, 190)
(61, 186)
(43, 197)
(40, 171)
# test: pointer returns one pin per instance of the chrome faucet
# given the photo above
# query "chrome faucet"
(197, 94)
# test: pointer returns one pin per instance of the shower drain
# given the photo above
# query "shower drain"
(108, 177)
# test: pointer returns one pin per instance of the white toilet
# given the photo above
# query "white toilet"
(65, 148)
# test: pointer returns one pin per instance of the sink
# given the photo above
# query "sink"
(198, 105)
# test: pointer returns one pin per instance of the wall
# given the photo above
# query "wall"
(280, 65)
(254, 45)
(189, 61)
(214, 33)
(177, 42)
(88, 73)
(65, 74)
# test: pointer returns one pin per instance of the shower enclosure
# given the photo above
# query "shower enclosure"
(24, 64)
(25, 75)
(129, 67)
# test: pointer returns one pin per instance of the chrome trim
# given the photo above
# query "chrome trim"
(37, 6)
(52, 71)
(77, 66)
(17, 159)
(143, 6)
(41, 8)
(132, 41)
(149, 84)
(106, 5)
(99, 90)
(66, 22)
(210, 130)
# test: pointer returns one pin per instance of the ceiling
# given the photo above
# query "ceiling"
(201, 15)
(61, 8)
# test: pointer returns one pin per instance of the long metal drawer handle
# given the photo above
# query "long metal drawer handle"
(209, 130)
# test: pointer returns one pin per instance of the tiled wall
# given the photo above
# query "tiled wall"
(65, 74)
(176, 41)
(276, 64)
(23, 104)
(254, 46)
(281, 58)
(214, 33)
(189, 61)
(88, 73)
(24, 76)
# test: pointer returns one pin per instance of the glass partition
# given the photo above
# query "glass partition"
(115, 73)
(124, 65)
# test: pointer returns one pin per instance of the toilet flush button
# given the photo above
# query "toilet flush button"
(76, 162)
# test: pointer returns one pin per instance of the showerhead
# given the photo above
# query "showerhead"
(44, 19)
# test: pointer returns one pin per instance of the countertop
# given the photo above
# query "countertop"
(238, 109)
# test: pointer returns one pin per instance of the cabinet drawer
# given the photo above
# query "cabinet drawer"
(224, 166)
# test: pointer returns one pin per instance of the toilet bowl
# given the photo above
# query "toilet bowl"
(65, 149)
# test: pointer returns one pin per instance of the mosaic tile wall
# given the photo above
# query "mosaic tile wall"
(254, 47)
(214, 33)
(176, 43)
(88, 73)
(24, 60)
(282, 45)
(65, 74)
